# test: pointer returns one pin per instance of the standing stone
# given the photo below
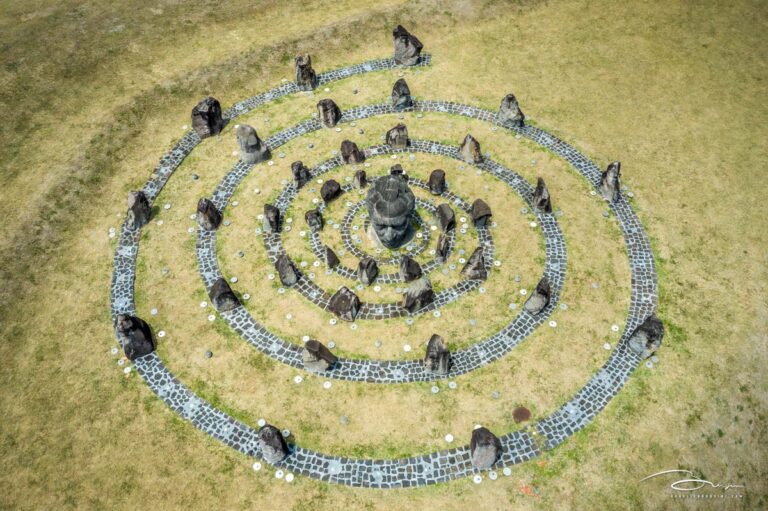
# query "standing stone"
(330, 191)
(208, 217)
(418, 295)
(139, 209)
(306, 79)
(397, 137)
(610, 186)
(286, 270)
(646, 338)
(135, 336)
(485, 448)
(401, 96)
(437, 182)
(328, 112)
(541, 200)
(441, 252)
(360, 180)
(481, 213)
(301, 174)
(539, 299)
(331, 259)
(407, 47)
(222, 296)
(345, 304)
(469, 150)
(317, 357)
(367, 271)
(397, 170)
(409, 268)
(438, 357)
(314, 219)
(252, 148)
(446, 218)
(350, 153)
(271, 218)
(206, 118)
(272, 444)
(510, 113)
(475, 267)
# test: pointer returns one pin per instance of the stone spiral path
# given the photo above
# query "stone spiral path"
(419, 470)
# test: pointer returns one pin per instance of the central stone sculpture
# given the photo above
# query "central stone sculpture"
(390, 203)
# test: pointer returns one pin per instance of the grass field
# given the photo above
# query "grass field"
(94, 95)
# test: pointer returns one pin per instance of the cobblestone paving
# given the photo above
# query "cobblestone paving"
(438, 466)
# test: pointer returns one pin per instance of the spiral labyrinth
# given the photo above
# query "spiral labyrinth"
(347, 217)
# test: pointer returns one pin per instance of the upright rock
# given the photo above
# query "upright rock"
(345, 304)
(541, 200)
(350, 153)
(446, 218)
(252, 148)
(314, 219)
(206, 118)
(272, 444)
(441, 252)
(222, 297)
(436, 182)
(208, 217)
(510, 113)
(407, 47)
(306, 79)
(367, 271)
(300, 173)
(539, 299)
(317, 357)
(271, 219)
(401, 96)
(330, 191)
(481, 213)
(469, 150)
(139, 209)
(475, 267)
(397, 170)
(286, 270)
(646, 338)
(409, 269)
(610, 185)
(485, 448)
(328, 112)
(360, 180)
(331, 259)
(135, 336)
(418, 295)
(397, 137)
(438, 357)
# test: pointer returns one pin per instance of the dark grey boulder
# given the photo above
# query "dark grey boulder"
(345, 304)
(418, 295)
(367, 271)
(610, 184)
(475, 267)
(272, 444)
(485, 448)
(330, 191)
(539, 299)
(390, 203)
(360, 180)
(437, 182)
(541, 200)
(441, 251)
(300, 173)
(286, 270)
(135, 336)
(139, 209)
(208, 217)
(331, 259)
(438, 357)
(271, 219)
(481, 213)
(317, 357)
(252, 148)
(206, 118)
(409, 268)
(328, 113)
(306, 78)
(314, 219)
(397, 137)
(469, 150)
(407, 47)
(446, 218)
(222, 297)
(401, 96)
(646, 338)
(350, 153)
(510, 113)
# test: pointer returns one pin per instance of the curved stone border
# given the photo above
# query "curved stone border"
(439, 466)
